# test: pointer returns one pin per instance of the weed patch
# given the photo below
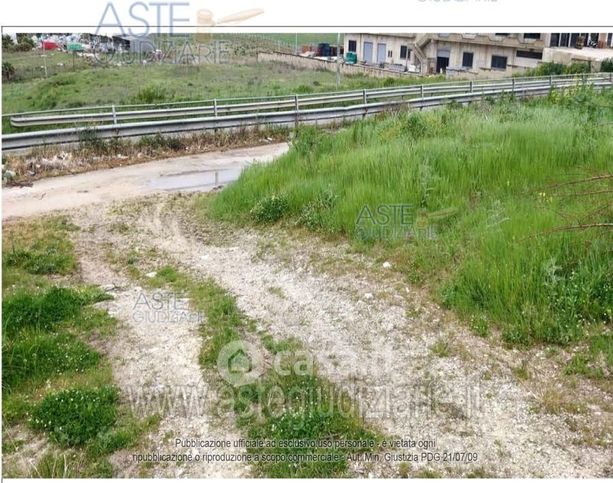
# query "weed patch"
(269, 209)
(75, 416)
(37, 356)
(43, 311)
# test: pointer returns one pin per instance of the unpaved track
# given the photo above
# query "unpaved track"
(369, 331)
(373, 335)
(154, 357)
(199, 172)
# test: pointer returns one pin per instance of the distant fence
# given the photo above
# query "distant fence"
(302, 62)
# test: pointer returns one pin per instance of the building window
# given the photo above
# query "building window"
(404, 52)
(499, 62)
(502, 35)
(529, 54)
(573, 40)
(352, 46)
(554, 41)
(610, 40)
(390, 54)
(467, 60)
(532, 36)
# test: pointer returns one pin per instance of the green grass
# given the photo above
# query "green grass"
(167, 82)
(483, 206)
(75, 416)
(42, 311)
(36, 356)
(311, 408)
(597, 361)
(41, 247)
(52, 378)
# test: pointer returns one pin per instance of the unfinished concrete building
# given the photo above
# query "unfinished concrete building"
(491, 55)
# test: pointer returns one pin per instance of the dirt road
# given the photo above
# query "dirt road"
(415, 370)
(376, 336)
(201, 172)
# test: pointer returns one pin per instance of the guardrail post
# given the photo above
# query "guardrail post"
(550, 82)
(296, 109)
(215, 107)
(422, 90)
(364, 96)
(472, 87)
(513, 85)
(114, 114)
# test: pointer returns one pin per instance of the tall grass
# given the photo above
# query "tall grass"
(482, 181)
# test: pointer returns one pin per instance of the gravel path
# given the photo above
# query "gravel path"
(415, 371)
(155, 364)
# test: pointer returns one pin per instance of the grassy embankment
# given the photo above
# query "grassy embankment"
(157, 83)
(500, 227)
(53, 380)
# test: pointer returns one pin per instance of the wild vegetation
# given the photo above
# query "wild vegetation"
(282, 404)
(505, 214)
(54, 381)
(554, 68)
(133, 84)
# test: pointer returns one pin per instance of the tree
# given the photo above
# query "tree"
(7, 42)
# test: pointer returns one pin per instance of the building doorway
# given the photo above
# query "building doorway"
(381, 51)
(442, 61)
(368, 52)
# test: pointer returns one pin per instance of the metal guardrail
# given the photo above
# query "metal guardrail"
(116, 114)
(289, 110)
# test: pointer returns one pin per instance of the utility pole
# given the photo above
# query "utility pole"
(338, 58)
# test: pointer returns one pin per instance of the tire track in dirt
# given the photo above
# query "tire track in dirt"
(379, 347)
(154, 357)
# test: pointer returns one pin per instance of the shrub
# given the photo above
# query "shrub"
(75, 416)
(307, 140)
(550, 68)
(8, 71)
(313, 214)
(607, 65)
(269, 209)
(151, 94)
(157, 142)
(7, 41)
(304, 89)
(578, 68)
(36, 356)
